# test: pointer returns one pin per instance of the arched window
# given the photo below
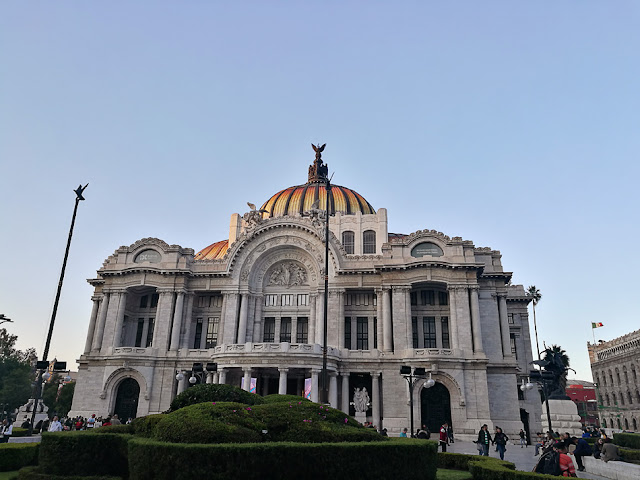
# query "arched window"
(633, 373)
(618, 422)
(621, 398)
(369, 242)
(629, 397)
(638, 396)
(611, 377)
(607, 398)
(597, 379)
(604, 379)
(626, 376)
(613, 396)
(604, 423)
(618, 376)
(635, 425)
(626, 424)
(348, 239)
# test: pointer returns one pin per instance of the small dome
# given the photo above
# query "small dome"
(213, 251)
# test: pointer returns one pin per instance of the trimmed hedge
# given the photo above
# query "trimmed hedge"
(35, 473)
(146, 426)
(84, 453)
(211, 392)
(20, 432)
(14, 456)
(114, 429)
(226, 422)
(277, 398)
(152, 460)
(630, 455)
(488, 468)
(627, 440)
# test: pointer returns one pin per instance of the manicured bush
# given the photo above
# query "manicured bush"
(20, 432)
(224, 422)
(114, 429)
(211, 392)
(487, 468)
(630, 455)
(17, 455)
(145, 426)
(84, 453)
(627, 440)
(277, 398)
(152, 460)
(456, 461)
(37, 473)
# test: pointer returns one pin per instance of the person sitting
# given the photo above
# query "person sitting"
(403, 433)
(566, 463)
(583, 449)
(610, 451)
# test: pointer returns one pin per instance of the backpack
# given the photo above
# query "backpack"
(551, 464)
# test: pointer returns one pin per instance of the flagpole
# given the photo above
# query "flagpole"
(593, 331)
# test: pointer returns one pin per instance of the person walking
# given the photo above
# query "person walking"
(500, 440)
(523, 439)
(444, 437)
(450, 433)
(484, 440)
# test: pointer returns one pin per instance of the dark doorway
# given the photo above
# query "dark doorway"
(524, 418)
(127, 399)
(436, 407)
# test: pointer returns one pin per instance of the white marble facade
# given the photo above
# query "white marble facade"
(254, 306)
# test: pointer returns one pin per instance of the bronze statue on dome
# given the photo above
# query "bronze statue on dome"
(318, 171)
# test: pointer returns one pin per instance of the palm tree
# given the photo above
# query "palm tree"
(557, 350)
(535, 295)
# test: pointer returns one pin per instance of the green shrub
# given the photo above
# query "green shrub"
(36, 473)
(277, 398)
(20, 432)
(152, 460)
(17, 455)
(630, 455)
(224, 422)
(84, 453)
(211, 392)
(145, 426)
(455, 461)
(627, 440)
(114, 429)
(487, 468)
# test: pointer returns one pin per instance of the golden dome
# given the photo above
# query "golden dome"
(213, 251)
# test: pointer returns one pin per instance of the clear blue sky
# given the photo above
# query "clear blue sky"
(511, 124)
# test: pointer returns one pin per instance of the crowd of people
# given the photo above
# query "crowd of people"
(56, 424)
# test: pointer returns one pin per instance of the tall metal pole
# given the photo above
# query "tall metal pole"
(324, 374)
(45, 354)
(411, 382)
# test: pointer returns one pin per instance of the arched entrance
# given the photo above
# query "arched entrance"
(127, 399)
(435, 404)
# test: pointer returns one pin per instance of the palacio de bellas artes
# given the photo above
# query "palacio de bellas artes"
(249, 311)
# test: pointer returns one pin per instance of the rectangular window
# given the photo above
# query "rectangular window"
(203, 301)
(287, 300)
(428, 297)
(510, 318)
(139, 332)
(348, 238)
(362, 338)
(512, 339)
(429, 327)
(444, 323)
(269, 330)
(215, 301)
(369, 242)
(414, 298)
(443, 298)
(375, 332)
(143, 301)
(198, 338)
(347, 333)
(302, 330)
(285, 329)
(149, 341)
(270, 300)
(212, 332)
(414, 330)
(303, 299)
(154, 300)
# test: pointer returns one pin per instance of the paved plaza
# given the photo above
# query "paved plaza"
(523, 458)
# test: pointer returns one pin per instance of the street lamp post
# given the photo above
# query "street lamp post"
(45, 354)
(324, 373)
(412, 378)
(543, 378)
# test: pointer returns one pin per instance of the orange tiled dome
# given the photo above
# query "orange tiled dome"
(216, 250)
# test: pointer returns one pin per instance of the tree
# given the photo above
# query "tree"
(535, 295)
(553, 355)
(16, 372)
(57, 396)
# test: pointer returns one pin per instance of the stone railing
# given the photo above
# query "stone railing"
(615, 470)
(275, 348)
(133, 351)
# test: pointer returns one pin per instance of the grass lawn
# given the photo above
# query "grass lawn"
(8, 475)
(445, 474)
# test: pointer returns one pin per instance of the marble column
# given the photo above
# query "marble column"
(215, 378)
(117, 332)
(209, 377)
(188, 322)
(244, 315)
(230, 317)
(177, 322)
(408, 322)
(504, 325)
(400, 317)
(333, 389)
(375, 399)
(380, 321)
(475, 319)
(92, 324)
(222, 376)
(340, 342)
(257, 320)
(102, 319)
(282, 381)
(247, 379)
(110, 321)
(314, 384)
(163, 320)
(453, 318)
(386, 320)
(182, 384)
(345, 392)
(463, 318)
(313, 300)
